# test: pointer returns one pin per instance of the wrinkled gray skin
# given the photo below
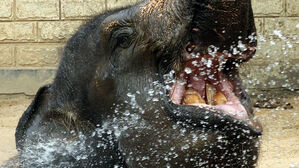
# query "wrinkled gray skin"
(108, 104)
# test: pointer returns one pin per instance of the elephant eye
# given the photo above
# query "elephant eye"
(123, 37)
(123, 41)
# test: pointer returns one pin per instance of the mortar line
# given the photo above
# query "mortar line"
(46, 20)
(37, 32)
(29, 68)
(15, 55)
(285, 7)
(14, 10)
(60, 10)
(33, 42)
(263, 26)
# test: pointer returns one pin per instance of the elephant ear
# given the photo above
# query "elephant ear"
(58, 130)
(48, 118)
(28, 116)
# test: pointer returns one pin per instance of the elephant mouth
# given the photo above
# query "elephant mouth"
(204, 84)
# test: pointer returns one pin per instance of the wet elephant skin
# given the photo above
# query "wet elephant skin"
(108, 105)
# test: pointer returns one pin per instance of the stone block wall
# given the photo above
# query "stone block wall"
(33, 33)
(276, 64)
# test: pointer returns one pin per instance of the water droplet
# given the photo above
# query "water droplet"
(188, 70)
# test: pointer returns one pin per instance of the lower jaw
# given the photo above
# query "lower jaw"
(204, 116)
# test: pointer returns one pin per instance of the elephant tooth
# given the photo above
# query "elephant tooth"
(193, 97)
(210, 92)
(219, 98)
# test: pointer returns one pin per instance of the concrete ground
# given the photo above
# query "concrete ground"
(280, 143)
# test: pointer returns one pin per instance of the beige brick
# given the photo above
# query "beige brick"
(17, 31)
(57, 31)
(269, 51)
(37, 9)
(25, 31)
(36, 55)
(292, 7)
(112, 4)
(265, 76)
(74, 9)
(272, 49)
(288, 26)
(6, 56)
(272, 65)
(6, 31)
(268, 7)
(6, 9)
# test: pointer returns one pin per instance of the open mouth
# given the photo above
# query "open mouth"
(203, 81)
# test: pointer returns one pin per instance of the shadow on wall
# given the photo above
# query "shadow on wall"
(24, 81)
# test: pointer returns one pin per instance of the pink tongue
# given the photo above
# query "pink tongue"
(233, 107)
(196, 75)
(236, 110)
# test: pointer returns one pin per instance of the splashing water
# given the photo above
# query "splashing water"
(277, 72)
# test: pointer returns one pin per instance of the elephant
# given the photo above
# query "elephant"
(140, 86)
